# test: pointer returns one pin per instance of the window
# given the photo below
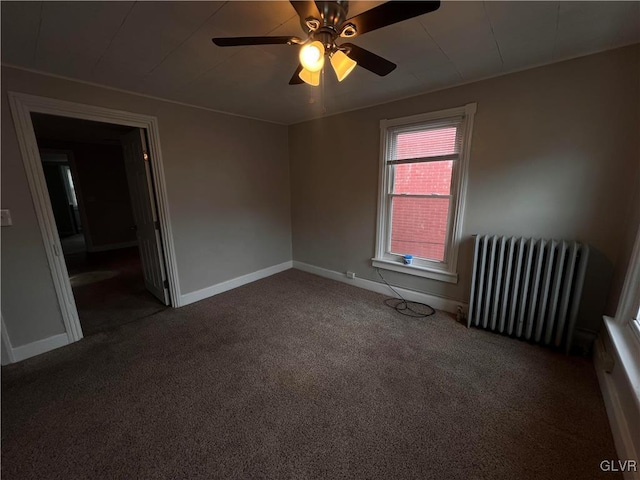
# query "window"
(628, 311)
(624, 329)
(423, 178)
(71, 190)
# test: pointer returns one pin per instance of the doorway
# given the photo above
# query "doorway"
(22, 106)
(105, 209)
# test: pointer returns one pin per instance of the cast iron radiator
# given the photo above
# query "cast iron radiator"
(527, 288)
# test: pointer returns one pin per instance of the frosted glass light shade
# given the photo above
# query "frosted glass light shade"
(312, 56)
(342, 64)
(312, 78)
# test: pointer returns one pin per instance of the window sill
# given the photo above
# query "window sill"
(625, 343)
(415, 270)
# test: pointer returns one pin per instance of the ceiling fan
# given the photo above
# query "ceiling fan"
(324, 22)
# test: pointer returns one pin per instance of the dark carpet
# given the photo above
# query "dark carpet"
(120, 297)
(297, 376)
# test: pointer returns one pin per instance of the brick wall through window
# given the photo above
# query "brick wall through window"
(419, 225)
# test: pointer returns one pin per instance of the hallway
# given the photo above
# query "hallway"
(109, 289)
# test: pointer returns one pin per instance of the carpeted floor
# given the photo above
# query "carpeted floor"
(109, 289)
(297, 376)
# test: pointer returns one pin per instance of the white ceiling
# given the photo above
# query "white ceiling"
(164, 49)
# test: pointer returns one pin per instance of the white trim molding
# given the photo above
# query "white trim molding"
(137, 94)
(22, 106)
(207, 292)
(40, 346)
(619, 369)
(629, 303)
(439, 303)
(625, 436)
(626, 351)
(415, 270)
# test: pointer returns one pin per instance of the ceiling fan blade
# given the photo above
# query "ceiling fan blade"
(296, 80)
(369, 60)
(390, 13)
(306, 9)
(242, 41)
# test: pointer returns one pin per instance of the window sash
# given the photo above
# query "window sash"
(391, 177)
(435, 158)
(420, 195)
(447, 237)
(393, 133)
(422, 261)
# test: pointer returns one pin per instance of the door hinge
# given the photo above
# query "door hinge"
(166, 283)
(157, 224)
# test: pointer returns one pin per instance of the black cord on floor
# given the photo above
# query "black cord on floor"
(405, 307)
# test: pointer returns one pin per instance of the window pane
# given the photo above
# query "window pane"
(71, 187)
(419, 226)
(425, 143)
(423, 178)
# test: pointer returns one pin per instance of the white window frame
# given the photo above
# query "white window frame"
(445, 271)
(627, 313)
(624, 328)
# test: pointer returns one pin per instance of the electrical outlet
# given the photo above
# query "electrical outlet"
(351, 275)
(5, 218)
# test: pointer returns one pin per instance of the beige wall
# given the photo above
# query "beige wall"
(553, 155)
(228, 190)
(632, 216)
(626, 248)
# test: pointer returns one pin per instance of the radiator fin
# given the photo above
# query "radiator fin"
(527, 288)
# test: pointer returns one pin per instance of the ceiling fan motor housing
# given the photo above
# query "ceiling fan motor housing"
(329, 27)
(334, 13)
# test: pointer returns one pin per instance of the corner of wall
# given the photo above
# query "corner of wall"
(624, 251)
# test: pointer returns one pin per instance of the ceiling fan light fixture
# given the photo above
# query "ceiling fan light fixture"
(312, 24)
(312, 56)
(312, 78)
(323, 22)
(348, 31)
(342, 65)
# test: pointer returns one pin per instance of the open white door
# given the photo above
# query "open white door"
(143, 203)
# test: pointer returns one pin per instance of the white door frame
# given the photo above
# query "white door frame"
(22, 105)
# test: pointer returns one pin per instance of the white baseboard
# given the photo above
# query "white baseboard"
(198, 295)
(622, 436)
(439, 303)
(112, 246)
(40, 346)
